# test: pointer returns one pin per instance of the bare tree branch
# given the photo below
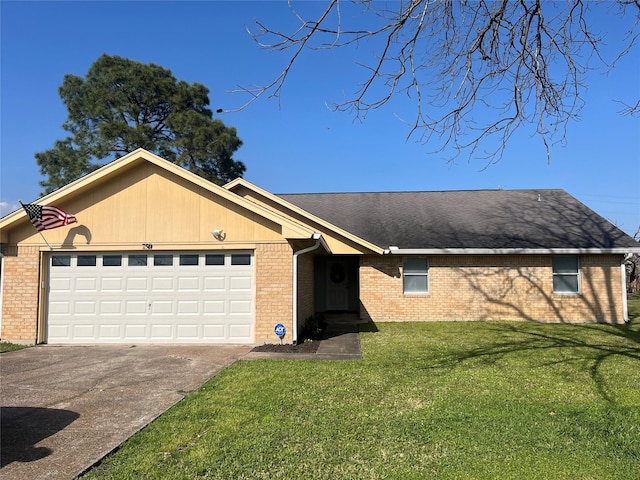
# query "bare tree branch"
(513, 63)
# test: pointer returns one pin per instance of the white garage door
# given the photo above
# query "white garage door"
(163, 297)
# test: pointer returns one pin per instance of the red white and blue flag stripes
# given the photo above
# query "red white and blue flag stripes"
(46, 217)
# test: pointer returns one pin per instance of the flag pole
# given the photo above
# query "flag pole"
(45, 240)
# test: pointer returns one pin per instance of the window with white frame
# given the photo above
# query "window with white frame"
(566, 274)
(415, 275)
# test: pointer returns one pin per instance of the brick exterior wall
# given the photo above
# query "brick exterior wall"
(492, 288)
(20, 280)
(274, 288)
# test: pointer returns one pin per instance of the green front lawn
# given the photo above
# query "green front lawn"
(430, 400)
(10, 347)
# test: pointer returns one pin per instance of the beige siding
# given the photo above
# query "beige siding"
(492, 288)
(146, 204)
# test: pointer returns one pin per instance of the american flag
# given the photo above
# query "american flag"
(46, 218)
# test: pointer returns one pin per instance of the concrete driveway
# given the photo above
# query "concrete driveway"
(64, 408)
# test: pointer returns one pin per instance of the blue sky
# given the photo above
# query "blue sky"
(298, 145)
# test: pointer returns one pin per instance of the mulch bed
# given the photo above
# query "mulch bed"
(306, 347)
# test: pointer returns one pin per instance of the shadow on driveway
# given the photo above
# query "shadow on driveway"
(65, 407)
(21, 428)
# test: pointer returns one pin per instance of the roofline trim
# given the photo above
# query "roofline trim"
(290, 227)
(309, 216)
(510, 251)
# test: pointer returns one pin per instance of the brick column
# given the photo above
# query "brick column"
(20, 279)
(274, 291)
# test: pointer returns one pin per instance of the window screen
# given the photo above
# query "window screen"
(566, 274)
(415, 275)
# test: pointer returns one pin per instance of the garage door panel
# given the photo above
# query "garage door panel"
(243, 284)
(111, 307)
(239, 331)
(213, 284)
(214, 307)
(60, 284)
(84, 308)
(162, 307)
(162, 331)
(60, 308)
(239, 307)
(133, 307)
(84, 332)
(86, 284)
(188, 284)
(112, 284)
(162, 284)
(137, 284)
(123, 300)
(59, 331)
(187, 332)
(110, 331)
(135, 331)
(188, 307)
(213, 331)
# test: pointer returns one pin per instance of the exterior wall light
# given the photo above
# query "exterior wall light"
(219, 234)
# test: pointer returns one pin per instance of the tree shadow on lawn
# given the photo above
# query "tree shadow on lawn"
(590, 343)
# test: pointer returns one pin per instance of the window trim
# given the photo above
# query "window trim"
(575, 274)
(424, 274)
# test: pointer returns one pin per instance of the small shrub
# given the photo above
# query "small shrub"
(313, 328)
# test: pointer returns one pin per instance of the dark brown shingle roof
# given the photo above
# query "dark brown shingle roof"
(472, 219)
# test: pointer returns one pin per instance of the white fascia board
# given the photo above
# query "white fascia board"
(323, 242)
(511, 251)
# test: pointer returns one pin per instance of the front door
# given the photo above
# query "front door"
(337, 286)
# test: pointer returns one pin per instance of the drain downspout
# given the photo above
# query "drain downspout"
(294, 328)
(625, 305)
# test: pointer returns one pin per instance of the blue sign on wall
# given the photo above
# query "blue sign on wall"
(280, 330)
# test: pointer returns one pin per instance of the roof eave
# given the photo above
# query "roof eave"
(241, 182)
(512, 251)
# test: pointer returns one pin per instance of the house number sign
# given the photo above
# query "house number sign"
(280, 330)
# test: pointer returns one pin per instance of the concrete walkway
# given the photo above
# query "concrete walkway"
(341, 341)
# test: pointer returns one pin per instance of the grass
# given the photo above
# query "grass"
(10, 347)
(482, 400)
